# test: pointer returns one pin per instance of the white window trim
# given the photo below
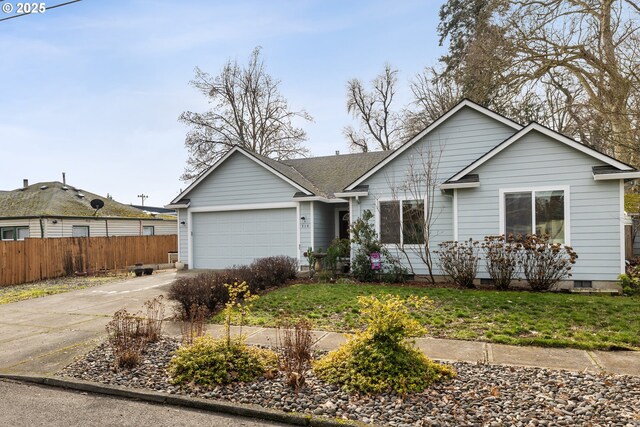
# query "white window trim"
(81, 226)
(378, 220)
(153, 230)
(533, 190)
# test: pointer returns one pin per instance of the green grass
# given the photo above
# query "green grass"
(15, 293)
(521, 318)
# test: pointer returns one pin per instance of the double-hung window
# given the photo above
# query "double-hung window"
(540, 212)
(402, 222)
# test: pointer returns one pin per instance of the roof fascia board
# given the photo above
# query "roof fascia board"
(177, 205)
(612, 176)
(222, 160)
(97, 218)
(452, 185)
(545, 131)
(319, 199)
(352, 194)
(429, 129)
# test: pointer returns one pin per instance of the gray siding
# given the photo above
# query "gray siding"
(240, 180)
(305, 231)
(538, 161)
(183, 246)
(324, 225)
(460, 140)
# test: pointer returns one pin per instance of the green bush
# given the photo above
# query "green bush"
(366, 242)
(380, 357)
(210, 362)
(630, 281)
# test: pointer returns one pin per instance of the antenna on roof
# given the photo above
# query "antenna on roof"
(64, 179)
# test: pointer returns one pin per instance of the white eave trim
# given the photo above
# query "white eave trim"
(616, 175)
(222, 160)
(352, 194)
(178, 205)
(318, 199)
(429, 129)
(453, 185)
(244, 207)
(550, 133)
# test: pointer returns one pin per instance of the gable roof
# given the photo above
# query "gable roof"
(313, 176)
(57, 199)
(434, 125)
(620, 166)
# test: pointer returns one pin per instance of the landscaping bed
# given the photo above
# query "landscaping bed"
(15, 293)
(508, 317)
(479, 395)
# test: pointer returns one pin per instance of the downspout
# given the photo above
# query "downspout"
(106, 226)
(41, 229)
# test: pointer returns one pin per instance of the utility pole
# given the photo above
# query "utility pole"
(142, 197)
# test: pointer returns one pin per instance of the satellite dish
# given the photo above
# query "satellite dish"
(97, 204)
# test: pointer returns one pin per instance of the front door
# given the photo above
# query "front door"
(343, 224)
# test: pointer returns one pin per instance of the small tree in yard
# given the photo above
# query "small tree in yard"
(544, 263)
(414, 206)
(459, 260)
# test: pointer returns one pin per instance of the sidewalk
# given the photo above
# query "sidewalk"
(613, 362)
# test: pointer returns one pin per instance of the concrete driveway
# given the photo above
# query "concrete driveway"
(43, 335)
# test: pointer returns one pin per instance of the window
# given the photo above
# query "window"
(148, 230)
(402, 222)
(80, 231)
(536, 212)
(14, 233)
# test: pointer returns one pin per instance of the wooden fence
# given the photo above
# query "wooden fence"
(37, 259)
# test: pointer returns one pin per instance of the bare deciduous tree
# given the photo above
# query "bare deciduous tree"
(247, 110)
(380, 126)
(417, 206)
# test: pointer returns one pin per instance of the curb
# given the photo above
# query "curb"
(249, 411)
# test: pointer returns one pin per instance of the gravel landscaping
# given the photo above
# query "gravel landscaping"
(481, 395)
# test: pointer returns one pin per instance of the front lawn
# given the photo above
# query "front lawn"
(522, 318)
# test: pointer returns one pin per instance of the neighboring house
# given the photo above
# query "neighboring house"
(493, 176)
(53, 209)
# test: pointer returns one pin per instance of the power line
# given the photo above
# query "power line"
(46, 8)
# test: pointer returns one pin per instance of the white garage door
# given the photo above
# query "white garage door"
(224, 239)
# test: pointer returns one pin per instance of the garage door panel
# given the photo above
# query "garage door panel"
(224, 239)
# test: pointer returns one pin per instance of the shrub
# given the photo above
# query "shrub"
(630, 281)
(339, 248)
(381, 358)
(155, 317)
(193, 326)
(545, 263)
(210, 362)
(366, 240)
(205, 289)
(237, 307)
(127, 335)
(502, 255)
(295, 341)
(459, 260)
(272, 271)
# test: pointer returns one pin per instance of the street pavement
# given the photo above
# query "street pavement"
(27, 405)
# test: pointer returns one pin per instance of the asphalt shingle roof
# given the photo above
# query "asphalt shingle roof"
(331, 174)
(54, 200)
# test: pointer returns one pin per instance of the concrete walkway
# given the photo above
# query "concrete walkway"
(43, 335)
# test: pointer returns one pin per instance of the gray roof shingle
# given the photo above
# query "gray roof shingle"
(54, 200)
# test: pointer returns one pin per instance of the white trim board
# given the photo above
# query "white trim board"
(620, 175)
(622, 234)
(533, 190)
(245, 207)
(236, 149)
(429, 129)
(550, 133)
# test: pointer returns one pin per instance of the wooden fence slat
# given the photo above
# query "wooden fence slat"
(37, 259)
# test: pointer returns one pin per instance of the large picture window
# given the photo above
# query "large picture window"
(536, 212)
(402, 222)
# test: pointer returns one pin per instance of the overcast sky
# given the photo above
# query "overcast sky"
(95, 88)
